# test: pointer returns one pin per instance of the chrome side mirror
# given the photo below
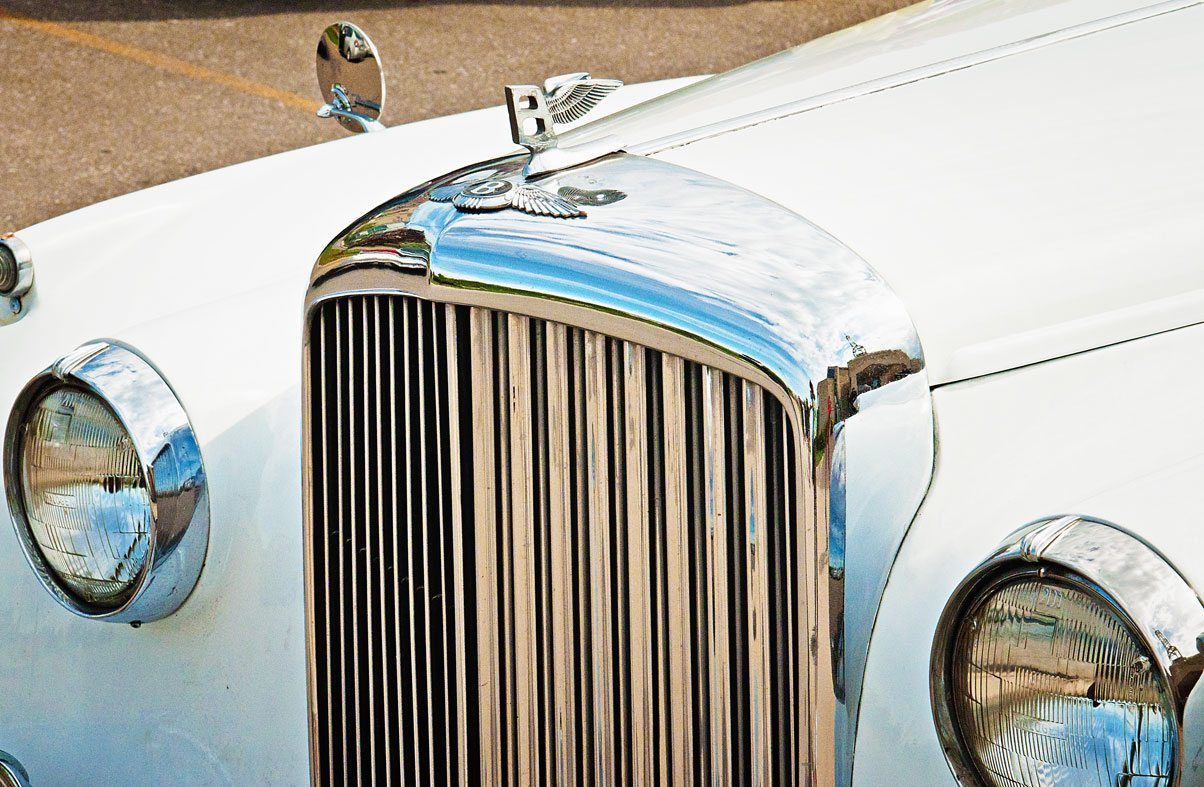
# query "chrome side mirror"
(351, 78)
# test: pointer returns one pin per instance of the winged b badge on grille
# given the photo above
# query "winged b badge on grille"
(534, 113)
(499, 193)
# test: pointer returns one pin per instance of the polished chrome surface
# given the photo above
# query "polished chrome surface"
(350, 77)
(1102, 661)
(162, 461)
(682, 268)
(16, 278)
(11, 772)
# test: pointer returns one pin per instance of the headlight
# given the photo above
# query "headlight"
(106, 486)
(1046, 679)
(1060, 660)
(85, 496)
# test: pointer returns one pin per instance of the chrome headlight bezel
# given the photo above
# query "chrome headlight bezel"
(170, 460)
(1118, 569)
(12, 773)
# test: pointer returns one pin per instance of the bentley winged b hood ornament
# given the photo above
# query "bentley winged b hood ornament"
(534, 112)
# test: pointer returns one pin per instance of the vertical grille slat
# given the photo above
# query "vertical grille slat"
(348, 555)
(677, 571)
(488, 652)
(377, 693)
(458, 726)
(715, 486)
(425, 584)
(397, 767)
(542, 555)
(755, 507)
(411, 668)
(560, 527)
(521, 471)
(639, 600)
(601, 487)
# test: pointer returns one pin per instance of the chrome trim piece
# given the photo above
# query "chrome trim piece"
(460, 605)
(759, 623)
(487, 547)
(668, 270)
(12, 774)
(598, 452)
(1127, 575)
(170, 455)
(560, 528)
(677, 569)
(16, 278)
(715, 482)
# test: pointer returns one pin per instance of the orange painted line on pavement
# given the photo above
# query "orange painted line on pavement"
(157, 60)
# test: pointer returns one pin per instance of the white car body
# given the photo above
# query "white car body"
(1027, 176)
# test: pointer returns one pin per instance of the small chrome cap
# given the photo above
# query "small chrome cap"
(16, 278)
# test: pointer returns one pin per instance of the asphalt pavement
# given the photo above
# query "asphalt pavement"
(102, 98)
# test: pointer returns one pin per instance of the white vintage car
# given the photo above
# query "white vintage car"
(823, 422)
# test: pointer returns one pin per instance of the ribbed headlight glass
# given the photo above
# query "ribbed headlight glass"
(8, 270)
(85, 497)
(1049, 687)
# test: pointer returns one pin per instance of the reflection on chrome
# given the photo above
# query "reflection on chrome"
(106, 486)
(1070, 656)
(11, 772)
(680, 269)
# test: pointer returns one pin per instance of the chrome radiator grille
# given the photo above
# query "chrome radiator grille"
(540, 555)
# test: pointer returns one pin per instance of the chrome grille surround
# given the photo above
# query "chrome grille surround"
(687, 284)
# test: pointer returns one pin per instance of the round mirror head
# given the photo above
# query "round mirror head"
(349, 74)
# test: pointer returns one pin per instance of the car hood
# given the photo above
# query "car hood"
(913, 37)
(1032, 206)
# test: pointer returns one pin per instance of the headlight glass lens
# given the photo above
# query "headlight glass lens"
(8, 270)
(86, 500)
(1049, 687)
